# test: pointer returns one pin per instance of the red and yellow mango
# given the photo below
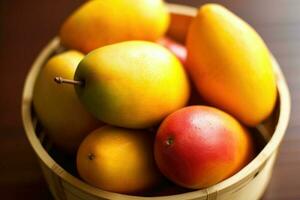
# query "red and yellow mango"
(199, 146)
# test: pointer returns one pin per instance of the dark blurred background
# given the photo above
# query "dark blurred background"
(27, 26)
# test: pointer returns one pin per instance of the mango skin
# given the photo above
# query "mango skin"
(199, 146)
(132, 84)
(99, 23)
(231, 65)
(118, 160)
(176, 48)
(57, 106)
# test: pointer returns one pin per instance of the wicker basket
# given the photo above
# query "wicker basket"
(247, 184)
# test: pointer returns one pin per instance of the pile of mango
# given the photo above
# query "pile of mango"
(137, 107)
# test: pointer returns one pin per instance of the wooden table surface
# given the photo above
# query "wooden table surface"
(26, 26)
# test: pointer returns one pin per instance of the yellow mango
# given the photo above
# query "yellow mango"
(102, 22)
(118, 160)
(231, 65)
(133, 84)
(58, 107)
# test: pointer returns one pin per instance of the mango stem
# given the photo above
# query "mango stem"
(61, 80)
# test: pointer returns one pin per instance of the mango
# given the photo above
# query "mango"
(199, 146)
(99, 23)
(58, 108)
(118, 160)
(133, 84)
(231, 65)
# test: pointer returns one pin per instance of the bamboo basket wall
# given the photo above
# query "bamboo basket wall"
(247, 184)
